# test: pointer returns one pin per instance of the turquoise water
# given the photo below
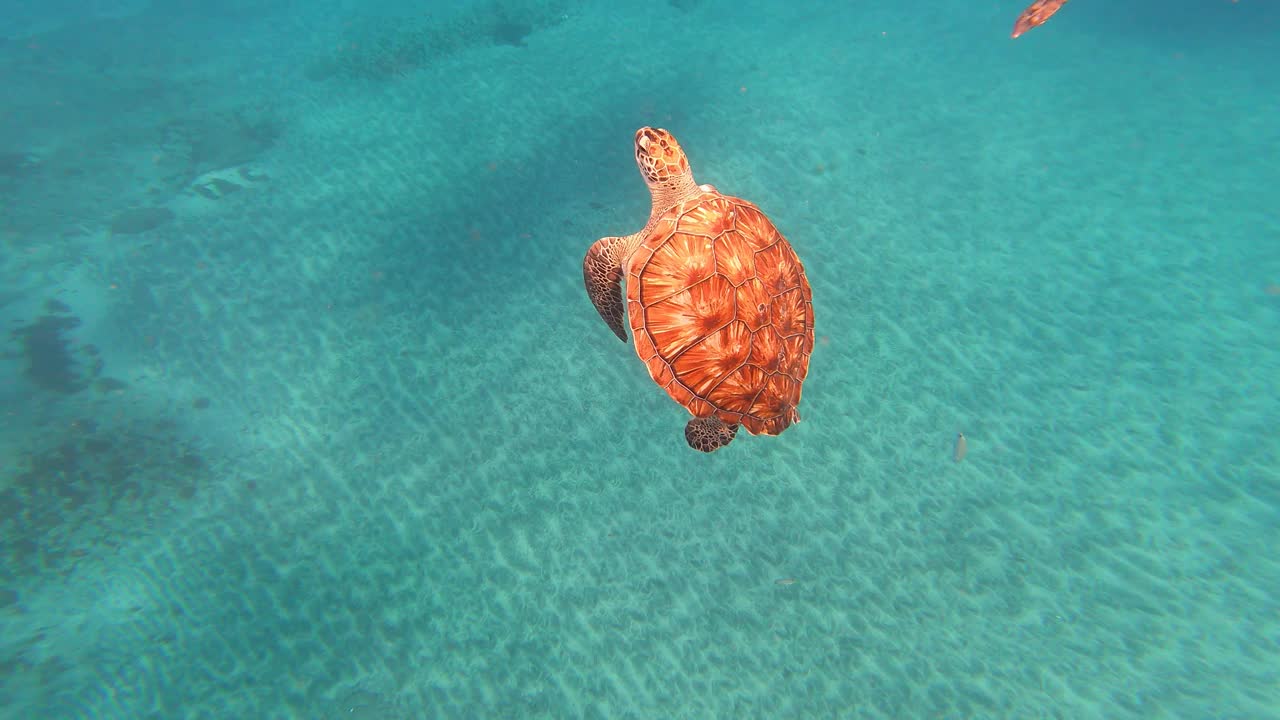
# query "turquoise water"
(305, 413)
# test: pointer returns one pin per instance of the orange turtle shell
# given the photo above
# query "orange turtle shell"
(722, 313)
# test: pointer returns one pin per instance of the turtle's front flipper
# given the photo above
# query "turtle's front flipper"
(602, 272)
(709, 433)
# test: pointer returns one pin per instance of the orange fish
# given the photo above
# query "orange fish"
(1036, 14)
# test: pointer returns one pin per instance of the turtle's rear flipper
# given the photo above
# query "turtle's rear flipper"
(602, 273)
(709, 433)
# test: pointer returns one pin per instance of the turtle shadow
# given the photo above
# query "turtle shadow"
(14, 165)
(389, 48)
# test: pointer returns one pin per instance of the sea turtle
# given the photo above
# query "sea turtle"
(1036, 14)
(717, 300)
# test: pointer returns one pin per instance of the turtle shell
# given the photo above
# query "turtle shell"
(722, 313)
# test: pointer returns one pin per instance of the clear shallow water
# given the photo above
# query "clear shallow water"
(306, 414)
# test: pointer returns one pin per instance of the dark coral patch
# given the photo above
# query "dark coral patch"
(50, 363)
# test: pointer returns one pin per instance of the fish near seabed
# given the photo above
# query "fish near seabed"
(1036, 14)
(961, 448)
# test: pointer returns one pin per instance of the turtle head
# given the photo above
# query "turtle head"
(662, 162)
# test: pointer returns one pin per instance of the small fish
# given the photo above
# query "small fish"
(961, 449)
(1036, 14)
(785, 581)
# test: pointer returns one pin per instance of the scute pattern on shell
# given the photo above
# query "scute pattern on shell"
(722, 313)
